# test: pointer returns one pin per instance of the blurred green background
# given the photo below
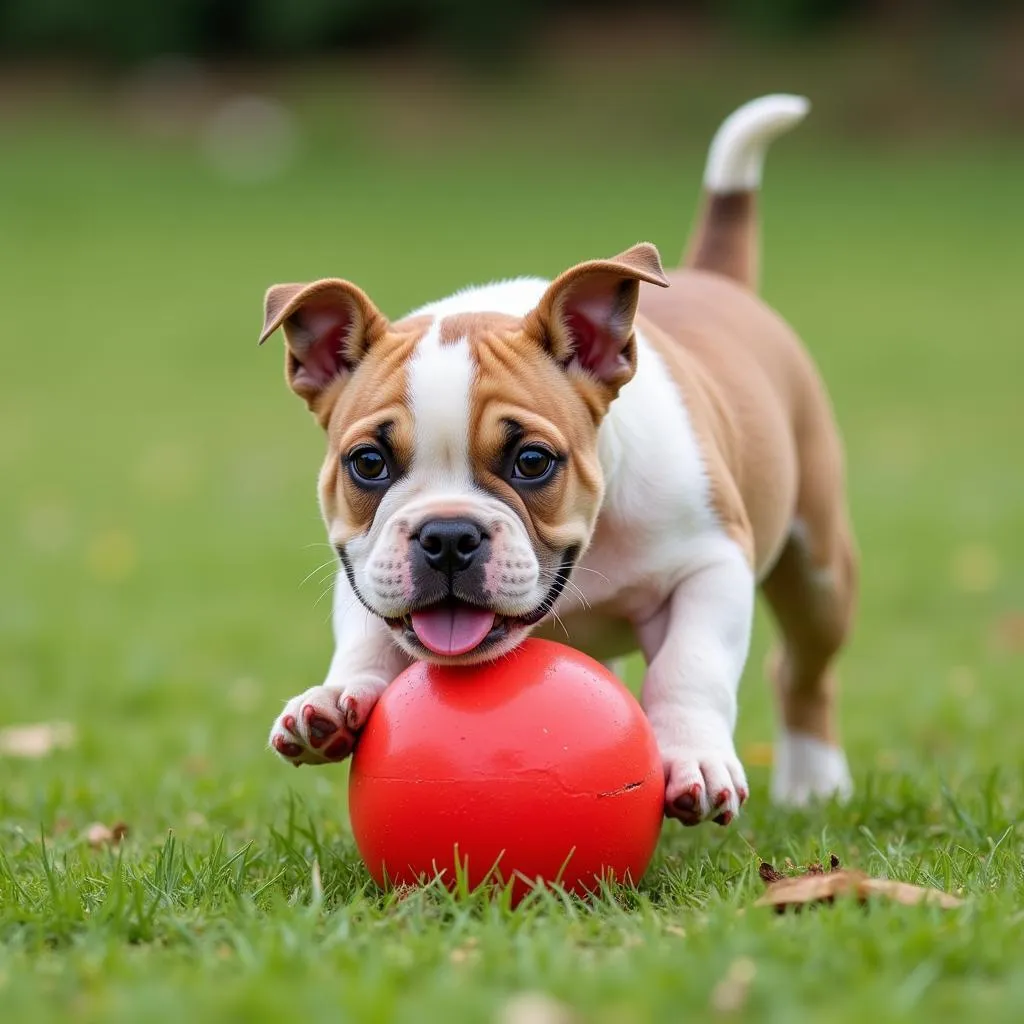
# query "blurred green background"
(161, 165)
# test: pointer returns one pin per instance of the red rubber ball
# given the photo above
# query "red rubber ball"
(538, 767)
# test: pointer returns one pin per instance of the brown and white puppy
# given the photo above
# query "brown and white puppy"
(626, 461)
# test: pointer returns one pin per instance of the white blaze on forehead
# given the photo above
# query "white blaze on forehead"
(440, 380)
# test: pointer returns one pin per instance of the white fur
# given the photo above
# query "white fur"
(696, 648)
(514, 297)
(807, 769)
(736, 157)
(440, 379)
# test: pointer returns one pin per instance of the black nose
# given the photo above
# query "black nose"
(450, 545)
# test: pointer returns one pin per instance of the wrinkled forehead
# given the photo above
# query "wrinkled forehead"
(441, 387)
(434, 381)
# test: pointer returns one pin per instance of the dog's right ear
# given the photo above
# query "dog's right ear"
(329, 326)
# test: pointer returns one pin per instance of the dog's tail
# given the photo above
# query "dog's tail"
(725, 239)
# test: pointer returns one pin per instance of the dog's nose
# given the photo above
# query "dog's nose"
(450, 545)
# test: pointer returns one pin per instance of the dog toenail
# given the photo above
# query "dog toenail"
(723, 797)
(288, 722)
(724, 818)
(350, 710)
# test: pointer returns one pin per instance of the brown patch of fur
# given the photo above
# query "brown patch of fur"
(474, 325)
(774, 457)
(355, 408)
(517, 380)
(725, 237)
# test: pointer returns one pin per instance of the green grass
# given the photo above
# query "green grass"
(158, 516)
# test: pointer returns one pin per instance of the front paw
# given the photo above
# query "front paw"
(320, 725)
(704, 785)
(703, 778)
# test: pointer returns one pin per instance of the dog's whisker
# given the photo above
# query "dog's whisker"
(555, 616)
(319, 568)
(327, 590)
(583, 568)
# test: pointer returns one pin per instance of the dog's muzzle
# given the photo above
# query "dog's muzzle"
(449, 614)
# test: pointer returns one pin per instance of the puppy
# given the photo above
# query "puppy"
(617, 458)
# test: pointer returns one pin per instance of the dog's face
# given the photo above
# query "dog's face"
(462, 482)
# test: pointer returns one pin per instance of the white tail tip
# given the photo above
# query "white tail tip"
(736, 156)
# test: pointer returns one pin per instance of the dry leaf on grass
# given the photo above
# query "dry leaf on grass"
(99, 835)
(535, 1008)
(911, 895)
(823, 885)
(35, 741)
(1009, 632)
(730, 994)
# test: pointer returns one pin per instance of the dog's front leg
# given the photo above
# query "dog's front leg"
(320, 725)
(696, 646)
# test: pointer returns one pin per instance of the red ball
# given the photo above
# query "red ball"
(539, 766)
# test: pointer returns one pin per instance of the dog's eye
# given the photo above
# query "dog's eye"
(367, 465)
(533, 463)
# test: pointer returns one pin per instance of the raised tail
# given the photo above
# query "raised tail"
(725, 239)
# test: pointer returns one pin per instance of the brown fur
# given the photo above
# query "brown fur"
(725, 238)
(355, 407)
(516, 378)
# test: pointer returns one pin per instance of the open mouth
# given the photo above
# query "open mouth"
(452, 627)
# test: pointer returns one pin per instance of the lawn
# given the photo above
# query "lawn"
(159, 587)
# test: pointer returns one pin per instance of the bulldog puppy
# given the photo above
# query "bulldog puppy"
(617, 459)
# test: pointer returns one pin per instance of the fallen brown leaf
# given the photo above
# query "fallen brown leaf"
(1009, 632)
(911, 895)
(99, 835)
(823, 887)
(535, 1008)
(730, 994)
(35, 741)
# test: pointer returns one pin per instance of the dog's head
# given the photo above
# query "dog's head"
(462, 479)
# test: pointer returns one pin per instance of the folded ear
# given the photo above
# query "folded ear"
(328, 326)
(586, 315)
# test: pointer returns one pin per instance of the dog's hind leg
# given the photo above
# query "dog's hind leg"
(812, 592)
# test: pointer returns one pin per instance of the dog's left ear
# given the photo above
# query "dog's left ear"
(586, 315)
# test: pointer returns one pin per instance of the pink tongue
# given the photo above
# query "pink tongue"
(452, 629)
